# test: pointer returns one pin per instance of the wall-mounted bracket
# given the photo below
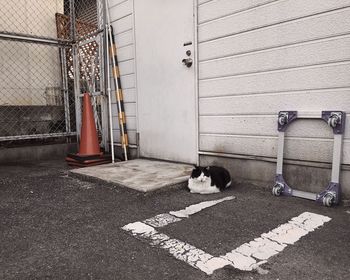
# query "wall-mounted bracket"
(285, 118)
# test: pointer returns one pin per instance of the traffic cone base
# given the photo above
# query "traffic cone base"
(89, 148)
(74, 160)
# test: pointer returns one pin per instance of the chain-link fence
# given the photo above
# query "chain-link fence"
(50, 53)
(89, 65)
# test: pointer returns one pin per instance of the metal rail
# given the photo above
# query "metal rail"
(34, 39)
(36, 136)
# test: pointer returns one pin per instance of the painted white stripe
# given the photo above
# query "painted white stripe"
(247, 257)
(161, 220)
(195, 208)
(179, 249)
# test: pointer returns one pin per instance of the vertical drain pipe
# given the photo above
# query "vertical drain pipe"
(118, 90)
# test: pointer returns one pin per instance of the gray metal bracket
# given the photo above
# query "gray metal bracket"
(336, 120)
(285, 118)
(331, 195)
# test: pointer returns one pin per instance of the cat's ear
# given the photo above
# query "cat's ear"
(207, 168)
(195, 166)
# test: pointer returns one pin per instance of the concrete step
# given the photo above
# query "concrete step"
(143, 175)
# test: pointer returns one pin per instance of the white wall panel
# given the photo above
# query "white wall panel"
(121, 12)
(125, 53)
(128, 81)
(271, 103)
(328, 50)
(292, 32)
(314, 77)
(127, 67)
(115, 2)
(219, 8)
(318, 150)
(259, 57)
(122, 25)
(266, 125)
(200, 2)
(266, 15)
(124, 39)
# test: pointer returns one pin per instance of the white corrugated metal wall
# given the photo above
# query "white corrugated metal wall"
(121, 15)
(257, 57)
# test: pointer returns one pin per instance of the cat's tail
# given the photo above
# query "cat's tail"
(228, 184)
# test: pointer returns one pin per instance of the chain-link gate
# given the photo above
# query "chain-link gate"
(50, 53)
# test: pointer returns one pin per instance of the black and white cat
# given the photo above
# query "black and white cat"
(210, 179)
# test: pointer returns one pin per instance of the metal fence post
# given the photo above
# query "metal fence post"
(65, 88)
(101, 9)
(76, 69)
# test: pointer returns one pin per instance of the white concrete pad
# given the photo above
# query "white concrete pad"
(139, 174)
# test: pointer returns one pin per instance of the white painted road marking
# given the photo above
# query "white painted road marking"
(250, 255)
(247, 257)
(195, 208)
(162, 220)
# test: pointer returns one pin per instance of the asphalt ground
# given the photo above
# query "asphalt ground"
(53, 226)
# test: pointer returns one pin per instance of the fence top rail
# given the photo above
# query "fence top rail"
(36, 136)
(34, 39)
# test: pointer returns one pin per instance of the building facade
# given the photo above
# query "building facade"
(250, 60)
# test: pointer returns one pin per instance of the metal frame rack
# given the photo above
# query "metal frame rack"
(336, 120)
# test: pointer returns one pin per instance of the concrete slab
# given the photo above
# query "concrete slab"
(140, 174)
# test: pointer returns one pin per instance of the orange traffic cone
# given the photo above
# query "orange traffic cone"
(88, 135)
(89, 149)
